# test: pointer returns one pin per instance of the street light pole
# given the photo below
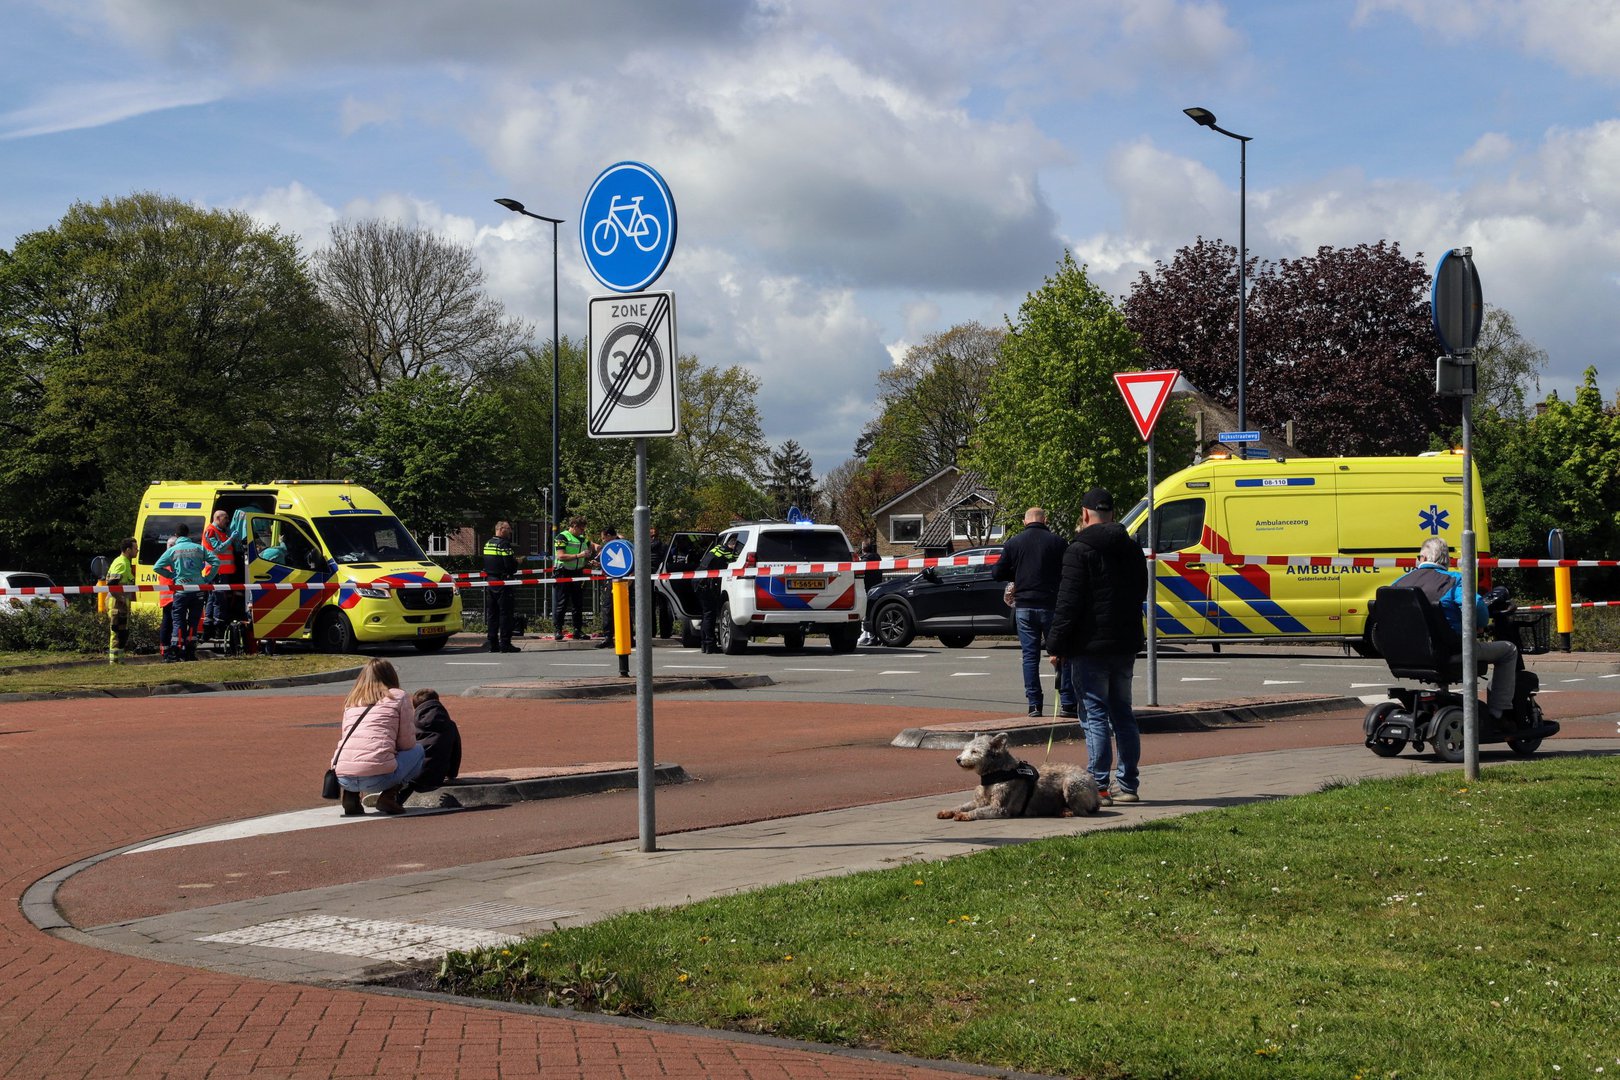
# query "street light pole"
(556, 487)
(1205, 118)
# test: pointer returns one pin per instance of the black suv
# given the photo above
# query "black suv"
(953, 603)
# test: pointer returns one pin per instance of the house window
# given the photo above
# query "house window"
(437, 544)
(974, 526)
(905, 528)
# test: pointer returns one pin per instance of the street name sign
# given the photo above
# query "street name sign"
(1238, 436)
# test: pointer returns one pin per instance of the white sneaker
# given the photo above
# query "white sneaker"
(369, 800)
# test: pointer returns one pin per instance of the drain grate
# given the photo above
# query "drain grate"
(372, 938)
(492, 913)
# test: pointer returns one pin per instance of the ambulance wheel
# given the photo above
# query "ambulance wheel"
(1376, 716)
(1448, 735)
(732, 642)
(1364, 644)
(431, 644)
(334, 634)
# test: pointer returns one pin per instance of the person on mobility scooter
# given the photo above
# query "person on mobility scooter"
(1420, 619)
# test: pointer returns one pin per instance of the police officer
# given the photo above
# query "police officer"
(500, 564)
(571, 553)
(711, 590)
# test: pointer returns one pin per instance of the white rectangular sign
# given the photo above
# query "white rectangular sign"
(632, 367)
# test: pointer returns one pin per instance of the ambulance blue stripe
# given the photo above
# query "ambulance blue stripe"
(1292, 481)
(1167, 624)
(1182, 589)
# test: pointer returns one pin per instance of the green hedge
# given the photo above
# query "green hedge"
(45, 627)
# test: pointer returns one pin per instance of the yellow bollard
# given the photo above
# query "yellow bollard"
(621, 625)
(1565, 608)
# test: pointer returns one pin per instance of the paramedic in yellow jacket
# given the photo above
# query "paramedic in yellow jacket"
(121, 572)
(572, 553)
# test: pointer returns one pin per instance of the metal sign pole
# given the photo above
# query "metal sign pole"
(1470, 572)
(1153, 588)
(645, 778)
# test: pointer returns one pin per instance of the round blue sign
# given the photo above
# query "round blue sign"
(618, 558)
(627, 226)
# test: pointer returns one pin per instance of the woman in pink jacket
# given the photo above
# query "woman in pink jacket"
(378, 751)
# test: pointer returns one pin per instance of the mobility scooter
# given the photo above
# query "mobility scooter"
(1419, 644)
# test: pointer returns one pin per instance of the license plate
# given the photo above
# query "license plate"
(807, 584)
(430, 631)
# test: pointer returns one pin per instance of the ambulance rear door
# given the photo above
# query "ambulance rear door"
(282, 553)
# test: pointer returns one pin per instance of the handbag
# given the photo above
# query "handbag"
(330, 788)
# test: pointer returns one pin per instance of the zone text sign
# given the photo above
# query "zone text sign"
(632, 367)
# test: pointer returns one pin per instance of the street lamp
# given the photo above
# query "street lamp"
(1205, 118)
(556, 487)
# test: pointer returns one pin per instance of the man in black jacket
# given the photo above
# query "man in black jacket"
(1033, 561)
(1096, 633)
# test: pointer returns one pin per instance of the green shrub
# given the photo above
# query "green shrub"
(80, 629)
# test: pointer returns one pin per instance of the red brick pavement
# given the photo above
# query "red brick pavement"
(86, 777)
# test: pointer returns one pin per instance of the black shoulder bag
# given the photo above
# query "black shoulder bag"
(330, 788)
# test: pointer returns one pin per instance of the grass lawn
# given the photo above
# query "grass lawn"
(1419, 927)
(104, 676)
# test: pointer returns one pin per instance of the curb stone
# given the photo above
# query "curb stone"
(171, 688)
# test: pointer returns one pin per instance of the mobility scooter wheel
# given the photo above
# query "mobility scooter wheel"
(1375, 717)
(1448, 734)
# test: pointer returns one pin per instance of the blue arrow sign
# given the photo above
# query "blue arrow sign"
(618, 558)
(627, 226)
(1238, 436)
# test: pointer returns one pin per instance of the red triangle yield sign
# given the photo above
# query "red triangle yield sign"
(1145, 394)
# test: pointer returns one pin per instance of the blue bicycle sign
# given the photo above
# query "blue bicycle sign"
(627, 226)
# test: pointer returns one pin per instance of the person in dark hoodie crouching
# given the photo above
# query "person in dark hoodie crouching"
(1097, 630)
(441, 743)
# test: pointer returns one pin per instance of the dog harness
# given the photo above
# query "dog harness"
(1023, 772)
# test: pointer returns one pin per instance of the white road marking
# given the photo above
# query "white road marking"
(899, 673)
(968, 674)
(1581, 679)
(1359, 685)
(836, 670)
(1282, 682)
(1337, 667)
(1198, 678)
(1609, 676)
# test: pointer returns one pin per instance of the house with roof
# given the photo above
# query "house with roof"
(949, 511)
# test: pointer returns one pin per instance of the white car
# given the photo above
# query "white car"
(824, 601)
(22, 579)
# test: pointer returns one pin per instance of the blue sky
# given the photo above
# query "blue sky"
(852, 176)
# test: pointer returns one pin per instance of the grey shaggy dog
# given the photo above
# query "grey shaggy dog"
(1012, 788)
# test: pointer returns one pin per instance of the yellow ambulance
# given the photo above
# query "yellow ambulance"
(1354, 507)
(344, 570)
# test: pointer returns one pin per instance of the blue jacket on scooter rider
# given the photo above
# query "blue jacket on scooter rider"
(1445, 587)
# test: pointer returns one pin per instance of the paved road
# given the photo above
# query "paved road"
(987, 675)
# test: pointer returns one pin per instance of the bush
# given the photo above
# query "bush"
(47, 628)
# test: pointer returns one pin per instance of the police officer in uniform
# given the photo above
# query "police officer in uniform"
(500, 564)
(710, 590)
(572, 553)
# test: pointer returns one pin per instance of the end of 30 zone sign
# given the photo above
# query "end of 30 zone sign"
(633, 367)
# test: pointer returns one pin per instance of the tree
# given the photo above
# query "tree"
(1055, 424)
(791, 479)
(433, 450)
(1508, 365)
(407, 301)
(144, 337)
(1326, 334)
(932, 401)
(721, 432)
(852, 491)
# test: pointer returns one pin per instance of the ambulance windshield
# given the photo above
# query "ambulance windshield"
(368, 539)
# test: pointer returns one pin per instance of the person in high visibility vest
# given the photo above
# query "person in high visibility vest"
(220, 609)
(121, 572)
(573, 553)
(710, 590)
(500, 564)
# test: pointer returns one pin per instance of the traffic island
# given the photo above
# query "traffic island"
(530, 785)
(612, 686)
(1152, 719)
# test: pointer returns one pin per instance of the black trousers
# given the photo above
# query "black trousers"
(710, 596)
(499, 602)
(570, 597)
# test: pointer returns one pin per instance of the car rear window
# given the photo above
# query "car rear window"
(807, 546)
(28, 581)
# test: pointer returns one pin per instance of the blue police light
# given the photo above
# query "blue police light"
(798, 517)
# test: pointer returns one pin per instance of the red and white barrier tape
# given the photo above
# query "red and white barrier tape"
(478, 581)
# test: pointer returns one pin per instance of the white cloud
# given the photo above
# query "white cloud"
(1489, 149)
(1582, 36)
(72, 107)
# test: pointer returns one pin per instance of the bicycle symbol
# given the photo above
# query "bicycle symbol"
(628, 219)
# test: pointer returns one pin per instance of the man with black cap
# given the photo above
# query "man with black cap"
(1096, 632)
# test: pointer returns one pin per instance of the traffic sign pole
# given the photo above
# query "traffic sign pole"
(1153, 590)
(1145, 394)
(646, 779)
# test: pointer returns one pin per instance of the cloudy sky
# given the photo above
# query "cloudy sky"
(853, 175)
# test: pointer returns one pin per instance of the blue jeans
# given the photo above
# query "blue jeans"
(1105, 686)
(407, 766)
(1033, 623)
(185, 611)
